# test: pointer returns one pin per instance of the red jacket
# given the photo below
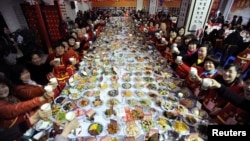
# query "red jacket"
(12, 114)
(27, 92)
(213, 97)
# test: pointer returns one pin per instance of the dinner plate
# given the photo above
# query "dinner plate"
(163, 123)
(151, 86)
(83, 102)
(187, 102)
(113, 130)
(199, 112)
(126, 78)
(74, 96)
(190, 119)
(139, 93)
(138, 74)
(132, 130)
(132, 102)
(181, 127)
(113, 93)
(139, 85)
(171, 115)
(43, 125)
(68, 106)
(148, 79)
(171, 99)
(108, 115)
(95, 129)
(147, 124)
(193, 137)
(145, 102)
(167, 106)
(185, 92)
(89, 93)
(113, 101)
(181, 109)
(163, 91)
(126, 85)
(97, 103)
(60, 99)
(127, 93)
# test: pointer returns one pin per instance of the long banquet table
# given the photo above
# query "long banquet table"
(119, 75)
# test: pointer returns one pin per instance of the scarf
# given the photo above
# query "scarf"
(190, 53)
(208, 73)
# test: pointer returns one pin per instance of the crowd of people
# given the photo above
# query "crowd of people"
(24, 77)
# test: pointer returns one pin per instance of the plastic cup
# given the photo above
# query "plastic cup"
(46, 107)
(70, 115)
(57, 60)
(193, 71)
(179, 59)
(48, 88)
(72, 60)
(53, 81)
(78, 44)
(71, 82)
(206, 82)
(180, 94)
(175, 49)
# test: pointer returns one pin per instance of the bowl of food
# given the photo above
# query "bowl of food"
(181, 127)
(172, 115)
(95, 129)
(199, 112)
(163, 123)
(68, 106)
(83, 102)
(190, 119)
(113, 128)
(132, 130)
(113, 93)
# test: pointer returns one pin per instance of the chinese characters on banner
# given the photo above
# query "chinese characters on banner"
(152, 7)
(199, 14)
(183, 13)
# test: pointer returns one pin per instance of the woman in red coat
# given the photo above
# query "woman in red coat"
(196, 60)
(62, 67)
(16, 118)
(23, 84)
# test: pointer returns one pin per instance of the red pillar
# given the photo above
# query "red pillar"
(42, 26)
